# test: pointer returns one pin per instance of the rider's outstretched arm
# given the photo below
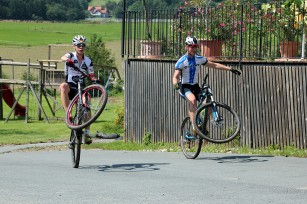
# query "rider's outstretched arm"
(219, 66)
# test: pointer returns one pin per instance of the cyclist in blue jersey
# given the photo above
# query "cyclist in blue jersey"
(69, 88)
(186, 73)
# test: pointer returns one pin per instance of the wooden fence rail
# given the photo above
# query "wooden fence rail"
(270, 99)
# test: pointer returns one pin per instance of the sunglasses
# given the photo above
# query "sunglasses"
(194, 46)
(81, 45)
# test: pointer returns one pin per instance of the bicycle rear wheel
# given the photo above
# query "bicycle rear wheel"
(220, 126)
(190, 144)
(75, 146)
(94, 98)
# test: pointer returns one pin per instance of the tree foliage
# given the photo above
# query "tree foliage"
(55, 10)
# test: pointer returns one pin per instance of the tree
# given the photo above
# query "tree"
(4, 11)
(55, 12)
(98, 52)
(18, 10)
(38, 9)
(100, 56)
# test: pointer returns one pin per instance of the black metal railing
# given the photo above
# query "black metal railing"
(244, 32)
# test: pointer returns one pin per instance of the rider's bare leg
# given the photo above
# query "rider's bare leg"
(192, 105)
(64, 89)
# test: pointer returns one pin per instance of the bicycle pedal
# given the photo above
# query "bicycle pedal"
(190, 137)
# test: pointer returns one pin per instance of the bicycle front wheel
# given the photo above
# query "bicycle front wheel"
(75, 146)
(94, 99)
(219, 122)
(190, 144)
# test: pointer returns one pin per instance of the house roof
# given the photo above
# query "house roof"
(96, 9)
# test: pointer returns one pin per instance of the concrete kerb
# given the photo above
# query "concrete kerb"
(10, 148)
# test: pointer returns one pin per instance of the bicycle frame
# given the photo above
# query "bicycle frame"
(77, 117)
(207, 96)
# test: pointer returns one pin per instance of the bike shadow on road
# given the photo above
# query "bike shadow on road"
(238, 158)
(137, 167)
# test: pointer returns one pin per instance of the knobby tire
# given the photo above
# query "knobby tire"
(98, 97)
(190, 145)
(75, 145)
(218, 132)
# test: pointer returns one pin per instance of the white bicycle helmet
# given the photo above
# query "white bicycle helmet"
(79, 39)
(191, 41)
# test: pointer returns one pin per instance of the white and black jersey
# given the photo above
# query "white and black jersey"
(86, 66)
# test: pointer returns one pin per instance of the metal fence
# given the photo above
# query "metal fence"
(243, 32)
(270, 99)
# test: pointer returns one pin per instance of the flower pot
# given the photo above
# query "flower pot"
(288, 49)
(150, 49)
(211, 48)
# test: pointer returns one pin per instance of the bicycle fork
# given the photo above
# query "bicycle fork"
(217, 117)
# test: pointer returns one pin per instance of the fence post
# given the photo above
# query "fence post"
(1, 105)
(260, 42)
(303, 36)
(241, 39)
(123, 28)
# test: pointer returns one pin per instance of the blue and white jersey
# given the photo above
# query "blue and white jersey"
(86, 66)
(189, 68)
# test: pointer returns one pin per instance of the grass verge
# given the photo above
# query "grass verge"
(288, 151)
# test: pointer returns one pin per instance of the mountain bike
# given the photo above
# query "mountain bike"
(82, 111)
(215, 122)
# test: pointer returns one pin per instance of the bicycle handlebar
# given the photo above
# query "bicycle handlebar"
(83, 74)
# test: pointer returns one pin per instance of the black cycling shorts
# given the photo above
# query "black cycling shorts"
(188, 88)
(73, 90)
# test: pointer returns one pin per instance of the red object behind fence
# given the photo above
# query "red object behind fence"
(9, 99)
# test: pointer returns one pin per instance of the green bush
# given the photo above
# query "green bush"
(147, 138)
(119, 120)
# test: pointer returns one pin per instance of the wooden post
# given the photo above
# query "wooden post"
(40, 90)
(28, 92)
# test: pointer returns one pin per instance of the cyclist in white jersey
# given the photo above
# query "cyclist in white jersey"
(69, 88)
(186, 73)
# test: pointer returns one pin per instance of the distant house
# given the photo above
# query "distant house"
(98, 12)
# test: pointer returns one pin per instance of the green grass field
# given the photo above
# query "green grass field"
(44, 33)
(24, 41)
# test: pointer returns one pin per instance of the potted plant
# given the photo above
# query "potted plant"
(290, 25)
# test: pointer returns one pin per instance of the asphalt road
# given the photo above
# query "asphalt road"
(150, 177)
